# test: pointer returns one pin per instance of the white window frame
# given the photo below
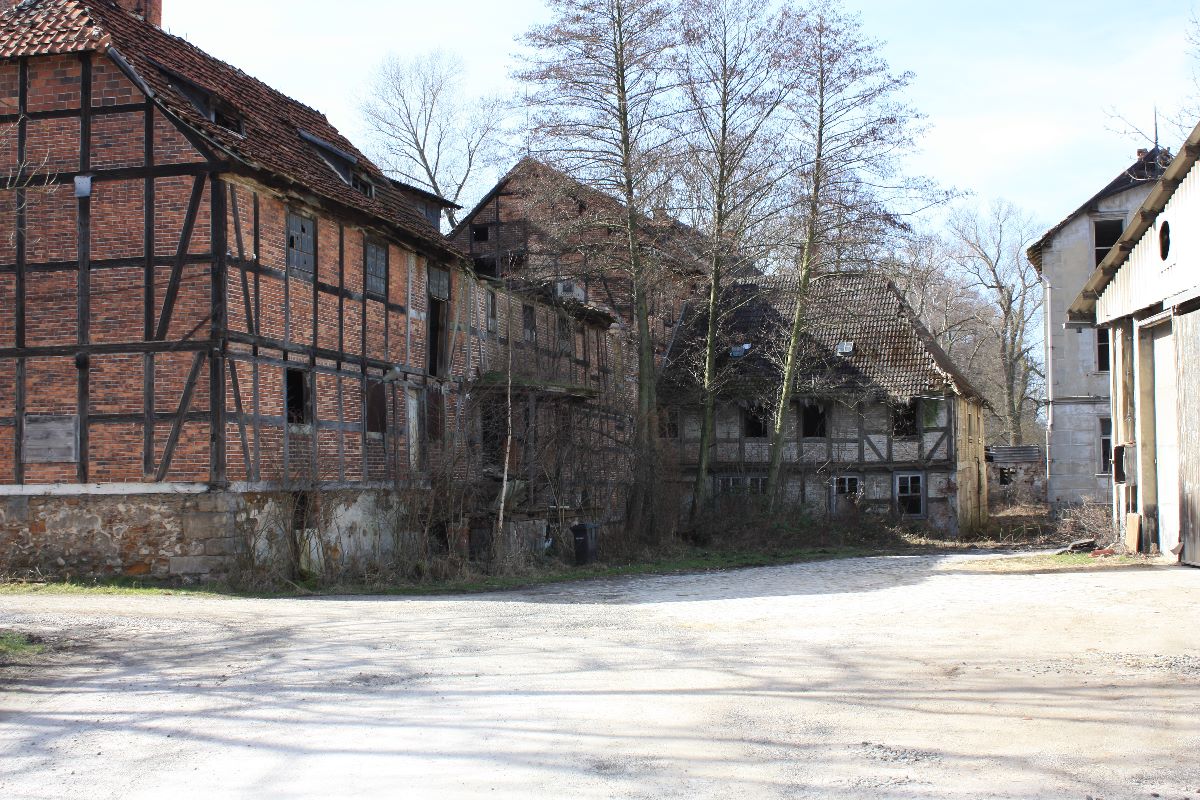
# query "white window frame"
(896, 478)
(836, 492)
(1104, 444)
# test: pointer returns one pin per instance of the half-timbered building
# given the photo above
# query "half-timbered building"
(883, 422)
(219, 321)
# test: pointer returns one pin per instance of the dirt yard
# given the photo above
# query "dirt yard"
(902, 677)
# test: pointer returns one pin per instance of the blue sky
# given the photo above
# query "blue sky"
(1016, 93)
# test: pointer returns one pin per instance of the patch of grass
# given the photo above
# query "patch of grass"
(17, 645)
(684, 560)
(1046, 563)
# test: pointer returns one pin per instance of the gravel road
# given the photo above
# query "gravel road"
(904, 677)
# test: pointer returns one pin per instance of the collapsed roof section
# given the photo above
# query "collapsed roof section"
(862, 339)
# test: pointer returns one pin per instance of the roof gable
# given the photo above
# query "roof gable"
(1148, 167)
(271, 138)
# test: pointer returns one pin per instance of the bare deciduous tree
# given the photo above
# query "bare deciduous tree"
(598, 82)
(989, 250)
(851, 128)
(425, 130)
(734, 160)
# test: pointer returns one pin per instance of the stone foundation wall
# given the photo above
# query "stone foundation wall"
(193, 537)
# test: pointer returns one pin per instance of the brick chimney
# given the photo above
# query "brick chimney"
(149, 10)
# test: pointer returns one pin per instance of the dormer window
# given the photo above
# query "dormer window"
(207, 103)
(341, 162)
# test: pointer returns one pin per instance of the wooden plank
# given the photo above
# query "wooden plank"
(251, 322)
(219, 233)
(19, 287)
(241, 420)
(83, 293)
(148, 203)
(148, 415)
(51, 439)
(257, 234)
(185, 241)
(185, 403)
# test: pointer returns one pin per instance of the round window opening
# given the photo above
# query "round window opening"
(1164, 240)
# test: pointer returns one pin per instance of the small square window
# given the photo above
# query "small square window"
(301, 246)
(481, 233)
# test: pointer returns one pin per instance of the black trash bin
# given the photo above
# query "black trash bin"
(585, 534)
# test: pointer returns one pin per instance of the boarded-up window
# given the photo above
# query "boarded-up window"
(301, 246)
(50, 439)
(439, 284)
(377, 269)
(492, 317)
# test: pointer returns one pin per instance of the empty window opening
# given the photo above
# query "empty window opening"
(377, 269)
(1107, 232)
(301, 246)
(1164, 240)
(529, 323)
(485, 266)
(812, 421)
(436, 325)
(1103, 353)
(754, 423)
(342, 162)
(208, 104)
(1105, 446)
(910, 499)
(481, 233)
(438, 281)
(668, 423)
(493, 421)
(1007, 475)
(904, 419)
(297, 397)
(377, 411)
(847, 485)
(566, 335)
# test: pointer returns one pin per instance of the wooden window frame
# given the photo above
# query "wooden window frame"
(370, 290)
(295, 249)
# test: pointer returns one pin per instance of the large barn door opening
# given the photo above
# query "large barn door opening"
(1187, 390)
(1166, 437)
